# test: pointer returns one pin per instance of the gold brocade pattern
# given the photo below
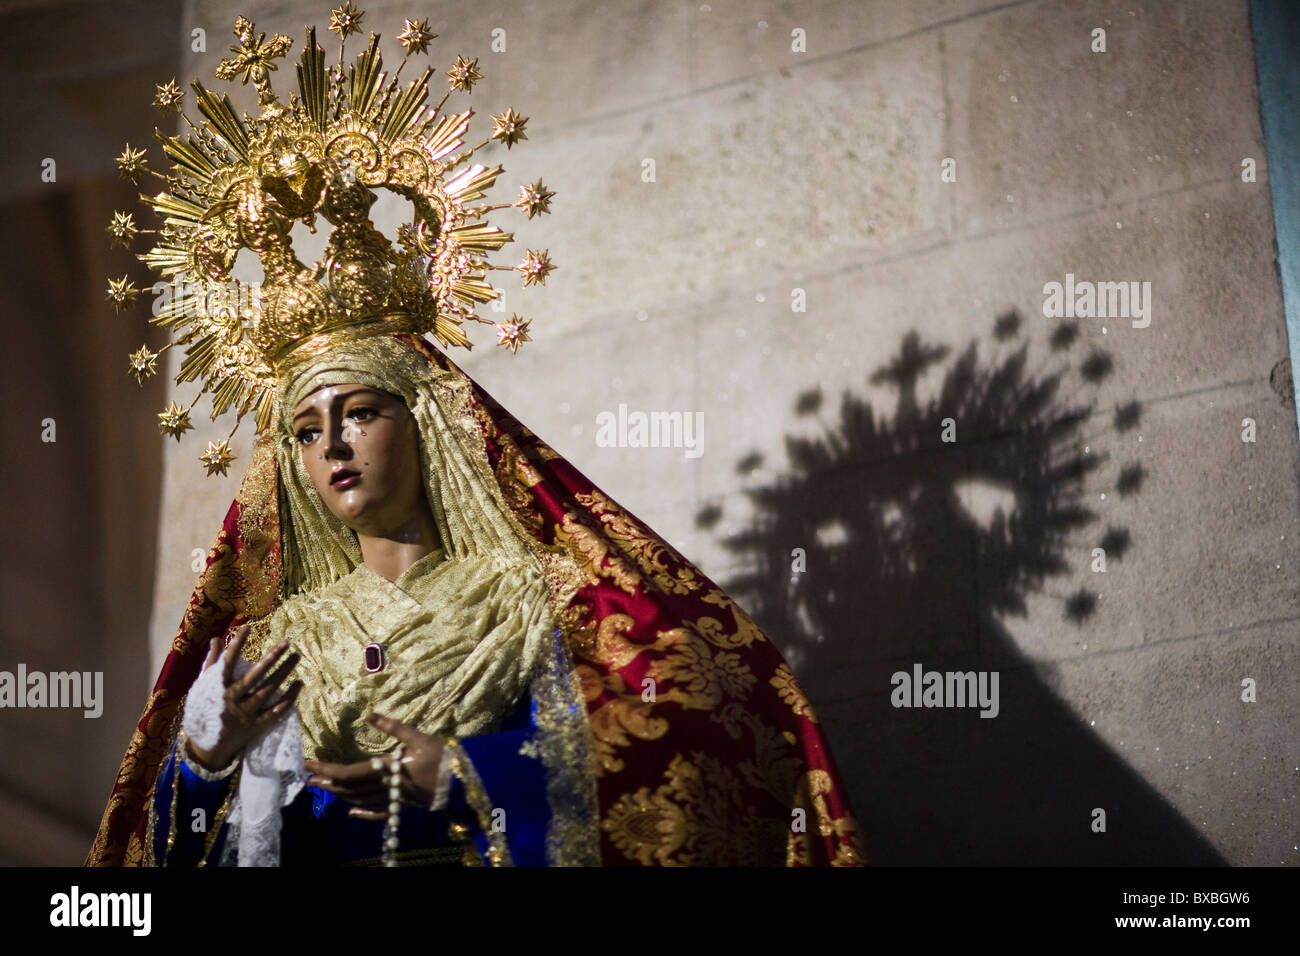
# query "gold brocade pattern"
(700, 677)
(698, 817)
(743, 634)
(622, 716)
(788, 687)
(514, 474)
(813, 789)
(597, 561)
(258, 563)
(144, 754)
(608, 645)
(652, 556)
(219, 585)
(701, 815)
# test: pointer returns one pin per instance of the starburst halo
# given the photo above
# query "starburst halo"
(241, 181)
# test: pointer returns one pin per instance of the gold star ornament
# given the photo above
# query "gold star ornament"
(143, 364)
(122, 229)
(346, 20)
(415, 38)
(121, 292)
(535, 267)
(132, 163)
(217, 458)
(509, 127)
(168, 96)
(514, 333)
(535, 199)
(464, 74)
(174, 421)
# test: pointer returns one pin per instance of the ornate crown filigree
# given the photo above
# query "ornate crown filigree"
(242, 182)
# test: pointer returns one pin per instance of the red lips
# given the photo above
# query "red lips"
(344, 478)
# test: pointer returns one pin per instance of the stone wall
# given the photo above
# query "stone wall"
(827, 228)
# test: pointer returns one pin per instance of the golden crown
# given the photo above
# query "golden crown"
(242, 182)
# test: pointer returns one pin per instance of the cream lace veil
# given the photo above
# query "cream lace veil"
(471, 516)
(473, 522)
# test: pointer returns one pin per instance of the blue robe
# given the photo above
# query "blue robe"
(317, 830)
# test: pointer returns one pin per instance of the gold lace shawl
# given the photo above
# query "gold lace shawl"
(456, 635)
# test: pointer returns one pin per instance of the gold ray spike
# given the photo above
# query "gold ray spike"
(470, 289)
(366, 78)
(480, 237)
(176, 209)
(446, 135)
(190, 156)
(313, 81)
(221, 114)
(406, 110)
(166, 259)
(474, 182)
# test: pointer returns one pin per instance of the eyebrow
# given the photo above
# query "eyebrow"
(311, 410)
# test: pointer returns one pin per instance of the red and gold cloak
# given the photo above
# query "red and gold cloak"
(726, 766)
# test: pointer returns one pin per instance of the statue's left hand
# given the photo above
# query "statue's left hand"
(365, 785)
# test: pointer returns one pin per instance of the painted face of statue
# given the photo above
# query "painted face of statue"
(360, 447)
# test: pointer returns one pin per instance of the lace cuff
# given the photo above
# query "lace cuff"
(182, 740)
(443, 789)
(272, 771)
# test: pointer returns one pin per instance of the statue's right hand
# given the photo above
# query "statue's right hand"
(247, 712)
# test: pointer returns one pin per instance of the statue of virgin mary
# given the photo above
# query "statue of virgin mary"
(421, 636)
